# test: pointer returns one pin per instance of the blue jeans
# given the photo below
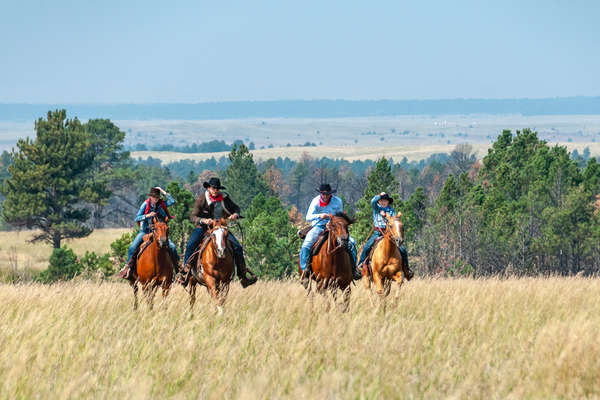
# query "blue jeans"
(140, 238)
(368, 246)
(193, 243)
(311, 238)
(196, 238)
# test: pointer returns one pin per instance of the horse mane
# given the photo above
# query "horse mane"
(345, 216)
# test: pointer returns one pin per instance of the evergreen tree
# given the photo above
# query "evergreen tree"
(242, 179)
(52, 180)
(271, 243)
(180, 227)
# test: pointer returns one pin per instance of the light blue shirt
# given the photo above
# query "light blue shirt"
(140, 217)
(378, 220)
(315, 210)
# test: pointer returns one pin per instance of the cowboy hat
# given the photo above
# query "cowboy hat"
(325, 188)
(213, 182)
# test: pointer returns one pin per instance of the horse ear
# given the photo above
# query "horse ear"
(166, 219)
(399, 214)
(154, 219)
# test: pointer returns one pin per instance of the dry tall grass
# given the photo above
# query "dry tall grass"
(15, 248)
(532, 338)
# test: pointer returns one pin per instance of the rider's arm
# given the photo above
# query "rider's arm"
(140, 216)
(170, 200)
(374, 203)
(312, 214)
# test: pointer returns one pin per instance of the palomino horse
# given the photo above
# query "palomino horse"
(154, 266)
(387, 264)
(216, 263)
(332, 265)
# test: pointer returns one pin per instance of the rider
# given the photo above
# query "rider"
(214, 205)
(152, 207)
(318, 215)
(382, 206)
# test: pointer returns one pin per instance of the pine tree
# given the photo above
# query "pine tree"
(270, 241)
(52, 181)
(242, 179)
(180, 227)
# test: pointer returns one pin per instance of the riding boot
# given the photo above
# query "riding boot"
(306, 274)
(408, 273)
(240, 264)
(356, 272)
(130, 268)
(175, 262)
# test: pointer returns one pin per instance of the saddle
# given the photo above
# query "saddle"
(316, 247)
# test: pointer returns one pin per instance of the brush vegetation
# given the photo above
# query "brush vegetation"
(463, 338)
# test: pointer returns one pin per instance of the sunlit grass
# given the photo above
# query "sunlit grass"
(461, 338)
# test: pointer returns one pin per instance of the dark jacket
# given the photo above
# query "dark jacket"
(203, 210)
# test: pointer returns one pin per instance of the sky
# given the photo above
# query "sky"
(116, 51)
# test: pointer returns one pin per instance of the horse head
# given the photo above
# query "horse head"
(395, 228)
(160, 232)
(219, 237)
(338, 227)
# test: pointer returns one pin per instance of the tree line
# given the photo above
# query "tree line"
(525, 208)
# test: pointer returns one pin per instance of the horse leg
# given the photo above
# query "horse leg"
(211, 286)
(346, 299)
(192, 295)
(223, 291)
(166, 287)
(378, 279)
(367, 283)
(134, 286)
(399, 278)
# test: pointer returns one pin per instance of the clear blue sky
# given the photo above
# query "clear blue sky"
(194, 51)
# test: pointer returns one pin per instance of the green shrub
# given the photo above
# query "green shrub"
(92, 263)
(63, 266)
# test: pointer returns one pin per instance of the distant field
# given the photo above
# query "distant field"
(407, 130)
(412, 153)
(444, 338)
(15, 247)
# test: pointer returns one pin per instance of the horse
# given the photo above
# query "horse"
(332, 265)
(154, 267)
(216, 262)
(387, 264)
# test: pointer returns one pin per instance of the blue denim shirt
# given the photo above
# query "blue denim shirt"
(378, 220)
(145, 221)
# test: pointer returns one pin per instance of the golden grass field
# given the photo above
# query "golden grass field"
(15, 247)
(350, 153)
(443, 338)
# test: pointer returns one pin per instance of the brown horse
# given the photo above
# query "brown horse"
(216, 263)
(387, 264)
(154, 267)
(332, 265)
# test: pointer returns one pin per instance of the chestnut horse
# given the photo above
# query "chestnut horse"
(386, 263)
(332, 265)
(216, 263)
(154, 267)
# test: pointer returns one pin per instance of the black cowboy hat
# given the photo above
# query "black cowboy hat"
(325, 188)
(154, 192)
(214, 182)
(387, 197)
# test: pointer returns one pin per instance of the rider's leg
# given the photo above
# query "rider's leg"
(407, 271)
(191, 246)
(132, 255)
(368, 246)
(356, 272)
(174, 256)
(309, 240)
(240, 262)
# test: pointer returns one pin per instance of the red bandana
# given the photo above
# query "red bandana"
(216, 199)
(322, 203)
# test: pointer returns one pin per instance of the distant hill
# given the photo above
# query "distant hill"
(308, 109)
